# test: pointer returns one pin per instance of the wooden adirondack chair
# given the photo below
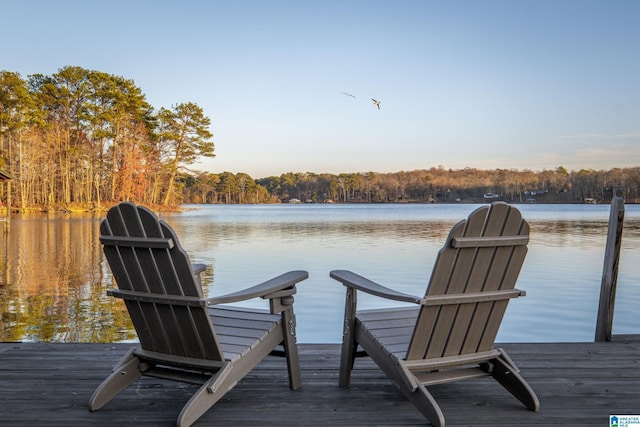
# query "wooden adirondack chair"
(184, 336)
(450, 337)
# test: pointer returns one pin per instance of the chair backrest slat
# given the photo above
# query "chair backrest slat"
(482, 254)
(145, 256)
(134, 242)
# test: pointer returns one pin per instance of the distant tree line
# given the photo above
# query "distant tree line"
(84, 138)
(434, 185)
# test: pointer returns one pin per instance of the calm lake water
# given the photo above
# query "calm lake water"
(53, 277)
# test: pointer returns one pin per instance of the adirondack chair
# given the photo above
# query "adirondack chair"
(182, 335)
(450, 336)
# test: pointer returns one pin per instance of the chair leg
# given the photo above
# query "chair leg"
(508, 376)
(407, 382)
(291, 348)
(426, 404)
(347, 359)
(125, 373)
(349, 344)
(402, 377)
(207, 396)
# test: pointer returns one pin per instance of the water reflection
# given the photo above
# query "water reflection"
(54, 281)
(53, 277)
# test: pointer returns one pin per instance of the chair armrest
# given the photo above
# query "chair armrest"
(353, 280)
(268, 289)
(198, 268)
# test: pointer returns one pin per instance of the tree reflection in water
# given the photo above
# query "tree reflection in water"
(54, 282)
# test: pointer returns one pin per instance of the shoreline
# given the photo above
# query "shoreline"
(92, 208)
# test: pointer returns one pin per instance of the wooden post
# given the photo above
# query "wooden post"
(604, 323)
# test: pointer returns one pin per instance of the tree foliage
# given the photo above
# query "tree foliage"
(81, 137)
(439, 185)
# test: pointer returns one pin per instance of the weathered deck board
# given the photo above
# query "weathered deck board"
(578, 384)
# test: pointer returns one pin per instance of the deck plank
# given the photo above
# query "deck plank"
(44, 384)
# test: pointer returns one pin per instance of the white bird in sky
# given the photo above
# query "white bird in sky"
(348, 94)
(376, 103)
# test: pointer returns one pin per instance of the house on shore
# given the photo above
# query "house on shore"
(5, 197)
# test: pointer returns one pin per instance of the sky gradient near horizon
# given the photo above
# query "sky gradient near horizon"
(484, 84)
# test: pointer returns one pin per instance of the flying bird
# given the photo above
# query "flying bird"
(376, 103)
(348, 94)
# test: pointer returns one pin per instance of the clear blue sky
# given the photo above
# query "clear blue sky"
(526, 84)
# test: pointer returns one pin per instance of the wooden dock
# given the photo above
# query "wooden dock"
(578, 384)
